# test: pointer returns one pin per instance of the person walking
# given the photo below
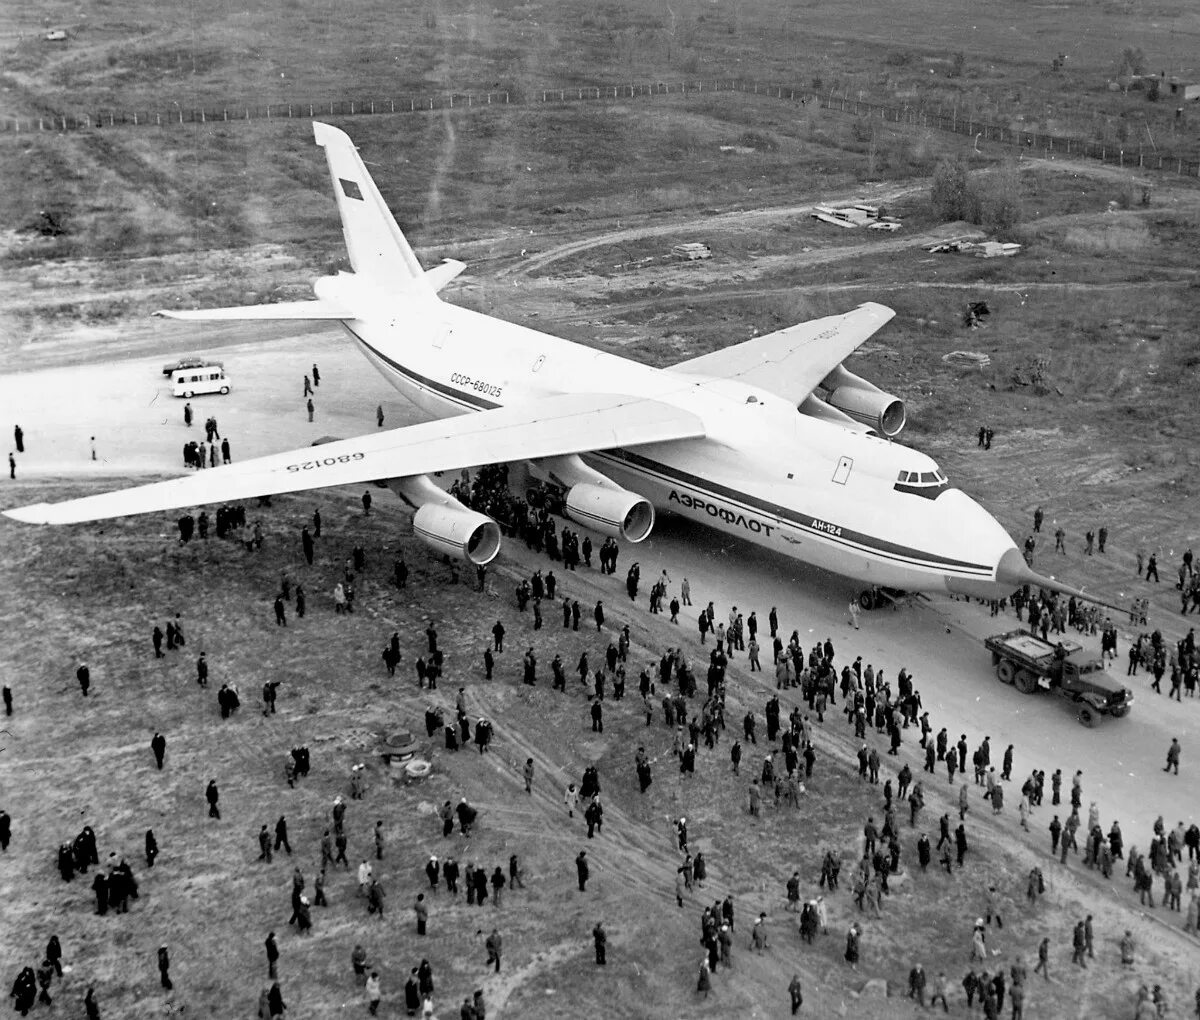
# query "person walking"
(581, 870)
(796, 993)
(164, 967)
(310, 408)
(374, 993)
(1173, 753)
(272, 948)
(493, 945)
(600, 940)
(158, 744)
(213, 795)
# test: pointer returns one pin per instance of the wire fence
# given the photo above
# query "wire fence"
(1029, 143)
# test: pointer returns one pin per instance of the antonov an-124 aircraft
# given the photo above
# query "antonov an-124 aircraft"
(771, 440)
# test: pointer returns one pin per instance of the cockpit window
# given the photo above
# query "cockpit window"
(928, 484)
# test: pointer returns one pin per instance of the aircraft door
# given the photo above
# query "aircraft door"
(842, 472)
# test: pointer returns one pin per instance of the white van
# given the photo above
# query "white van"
(188, 382)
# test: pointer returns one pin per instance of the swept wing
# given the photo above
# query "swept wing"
(545, 427)
(792, 362)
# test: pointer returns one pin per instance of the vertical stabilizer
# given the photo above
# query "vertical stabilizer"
(377, 248)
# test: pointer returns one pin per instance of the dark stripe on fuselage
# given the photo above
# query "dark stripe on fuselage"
(675, 476)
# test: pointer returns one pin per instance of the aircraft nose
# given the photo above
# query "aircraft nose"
(983, 541)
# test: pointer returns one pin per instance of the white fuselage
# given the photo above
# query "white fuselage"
(810, 489)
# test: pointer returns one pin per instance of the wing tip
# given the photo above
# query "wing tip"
(35, 513)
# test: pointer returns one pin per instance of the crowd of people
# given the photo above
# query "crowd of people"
(692, 711)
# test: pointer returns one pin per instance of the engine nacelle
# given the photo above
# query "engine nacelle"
(815, 407)
(452, 528)
(611, 511)
(864, 401)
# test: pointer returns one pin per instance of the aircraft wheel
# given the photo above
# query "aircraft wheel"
(1025, 681)
(1006, 672)
(866, 599)
(224, 390)
(1087, 717)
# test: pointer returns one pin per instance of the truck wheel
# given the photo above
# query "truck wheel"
(1087, 717)
(188, 395)
(1006, 672)
(1120, 713)
(224, 390)
(1026, 682)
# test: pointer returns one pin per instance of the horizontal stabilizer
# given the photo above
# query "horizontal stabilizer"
(294, 310)
(551, 426)
(441, 275)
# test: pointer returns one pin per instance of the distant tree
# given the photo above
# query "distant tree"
(1133, 61)
(951, 195)
(999, 198)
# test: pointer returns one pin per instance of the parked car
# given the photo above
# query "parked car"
(191, 361)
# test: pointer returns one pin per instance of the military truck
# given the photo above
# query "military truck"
(1029, 664)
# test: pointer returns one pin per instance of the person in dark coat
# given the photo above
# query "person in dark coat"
(164, 967)
(272, 956)
(582, 870)
(54, 954)
(151, 848)
(212, 795)
(275, 1003)
(24, 991)
(84, 676)
(100, 888)
(158, 744)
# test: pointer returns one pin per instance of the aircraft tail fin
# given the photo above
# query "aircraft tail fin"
(378, 250)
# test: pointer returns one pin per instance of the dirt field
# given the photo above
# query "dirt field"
(564, 216)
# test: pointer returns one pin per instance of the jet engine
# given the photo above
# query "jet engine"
(610, 510)
(452, 528)
(444, 524)
(597, 502)
(864, 401)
